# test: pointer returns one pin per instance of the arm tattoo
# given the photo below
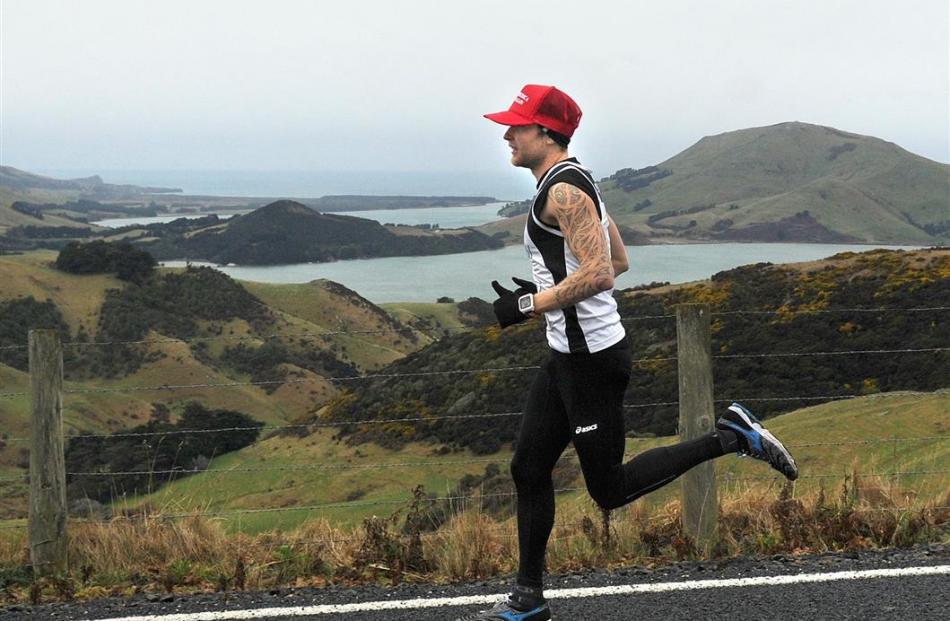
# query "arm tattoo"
(584, 235)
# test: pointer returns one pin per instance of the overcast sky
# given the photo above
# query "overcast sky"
(370, 85)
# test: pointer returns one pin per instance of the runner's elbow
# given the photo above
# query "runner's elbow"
(602, 281)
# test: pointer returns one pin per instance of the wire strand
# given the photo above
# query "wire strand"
(840, 475)
(836, 353)
(819, 311)
(372, 421)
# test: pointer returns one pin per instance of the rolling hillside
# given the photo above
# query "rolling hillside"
(10, 218)
(853, 188)
(304, 333)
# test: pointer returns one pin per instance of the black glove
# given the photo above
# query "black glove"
(506, 306)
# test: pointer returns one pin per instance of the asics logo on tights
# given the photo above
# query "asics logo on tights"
(581, 430)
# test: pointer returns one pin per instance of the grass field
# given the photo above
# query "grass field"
(437, 317)
(10, 218)
(315, 307)
(79, 298)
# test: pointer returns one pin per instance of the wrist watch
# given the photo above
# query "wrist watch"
(526, 304)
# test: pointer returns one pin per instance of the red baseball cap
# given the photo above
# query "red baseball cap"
(545, 105)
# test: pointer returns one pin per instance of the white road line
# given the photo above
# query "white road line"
(625, 589)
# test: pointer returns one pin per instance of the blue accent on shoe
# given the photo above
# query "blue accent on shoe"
(503, 610)
(751, 435)
(519, 616)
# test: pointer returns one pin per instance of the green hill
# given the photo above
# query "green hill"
(828, 184)
(290, 232)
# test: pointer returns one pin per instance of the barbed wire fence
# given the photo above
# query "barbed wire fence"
(441, 463)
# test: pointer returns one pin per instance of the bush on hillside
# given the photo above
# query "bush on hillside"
(156, 459)
(630, 179)
(27, 210)
(476, 313)
(264, 363)
(17, 318)
(99, 257)
(172, 304)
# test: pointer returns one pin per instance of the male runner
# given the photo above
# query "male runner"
(577, 396)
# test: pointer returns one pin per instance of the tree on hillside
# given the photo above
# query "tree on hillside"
(17, 318)
(156, 460)
(100, 257)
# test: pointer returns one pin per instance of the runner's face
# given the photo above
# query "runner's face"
(528, 145)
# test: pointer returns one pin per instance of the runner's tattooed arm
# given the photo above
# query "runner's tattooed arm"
(575, 214)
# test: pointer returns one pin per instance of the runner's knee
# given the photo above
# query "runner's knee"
(605, 495)
(527, 473)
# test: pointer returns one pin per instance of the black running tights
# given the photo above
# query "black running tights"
(579, 398)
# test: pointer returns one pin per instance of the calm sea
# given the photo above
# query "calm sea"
(460, 276)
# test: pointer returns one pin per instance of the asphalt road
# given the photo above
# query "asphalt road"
(915, 597)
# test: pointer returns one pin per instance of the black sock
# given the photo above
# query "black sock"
(525, 597)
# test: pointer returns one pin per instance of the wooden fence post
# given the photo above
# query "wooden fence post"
(694, 360)
(47, 459)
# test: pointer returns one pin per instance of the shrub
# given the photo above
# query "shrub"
(179, 453)
(100, 257)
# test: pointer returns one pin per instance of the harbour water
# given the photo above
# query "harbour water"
(460, 276)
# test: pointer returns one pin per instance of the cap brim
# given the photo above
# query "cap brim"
(508, 118)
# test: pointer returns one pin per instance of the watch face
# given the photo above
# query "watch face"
(525, 303)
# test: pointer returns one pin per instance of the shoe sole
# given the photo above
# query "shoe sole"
(542, 614)
(771, 443)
